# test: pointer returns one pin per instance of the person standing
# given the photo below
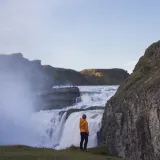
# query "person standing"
(84, 132)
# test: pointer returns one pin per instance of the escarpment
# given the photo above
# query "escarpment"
(131, 121)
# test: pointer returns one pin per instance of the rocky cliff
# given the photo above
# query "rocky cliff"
(105, 76)
(131, 121)
(63, 76)
(44, 76)
(37, 76)
(57, 98)
(16, 68)
(31, 77)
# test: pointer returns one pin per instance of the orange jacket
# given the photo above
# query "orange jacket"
(83, 125)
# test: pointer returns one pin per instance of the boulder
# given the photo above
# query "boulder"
(58, 98)
(131, 120)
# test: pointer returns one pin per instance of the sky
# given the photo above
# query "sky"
(80, 34)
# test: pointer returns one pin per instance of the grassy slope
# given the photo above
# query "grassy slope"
(28, 153)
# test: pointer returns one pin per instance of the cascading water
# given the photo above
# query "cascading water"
(53, 129)
(71, 135)
(58, 132)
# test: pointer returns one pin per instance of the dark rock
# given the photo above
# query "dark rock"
(20, 55)
(70, 111)
(63, 76)
(42, 77)
(36, 63)
(131, 124)
(28, 72)
(35, 77)
(58, 98)
(66, 77)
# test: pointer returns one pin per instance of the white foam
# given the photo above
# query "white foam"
(50, 128)
(71, 133)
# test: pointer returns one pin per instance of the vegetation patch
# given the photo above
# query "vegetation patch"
(20, 152)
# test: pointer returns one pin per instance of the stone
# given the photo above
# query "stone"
(58, 98)
(131, 120)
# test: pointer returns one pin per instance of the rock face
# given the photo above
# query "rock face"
(63, 76)
(32, 77)
(58, 98)
(42, 77)
(19, 69)
(105, 76)
(131, 121)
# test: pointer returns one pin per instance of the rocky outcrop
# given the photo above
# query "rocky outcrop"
(42, 77)
(66, 77)
(105, 76)
(32, 77)
(70, 111)
(16, 68)
(63, 76)
(58, 98)
(131, 121)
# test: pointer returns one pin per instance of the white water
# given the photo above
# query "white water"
(71, 135)
(51, 129)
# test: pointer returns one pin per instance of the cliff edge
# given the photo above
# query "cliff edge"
(131, 121)
(113, 76)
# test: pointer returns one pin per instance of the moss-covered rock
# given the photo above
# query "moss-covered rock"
(105, 76)
(131, 121)
(41, 77)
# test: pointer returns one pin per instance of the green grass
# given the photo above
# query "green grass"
(28, 153)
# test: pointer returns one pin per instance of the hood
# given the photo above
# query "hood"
(82, 121)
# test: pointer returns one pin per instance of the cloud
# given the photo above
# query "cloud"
(130, 66)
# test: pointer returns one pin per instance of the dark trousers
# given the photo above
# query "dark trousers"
(84, 138)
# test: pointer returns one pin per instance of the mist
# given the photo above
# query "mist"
(16, 109)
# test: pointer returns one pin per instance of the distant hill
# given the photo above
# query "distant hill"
(14, 68)
(42, 77)
(105, 76)
(63, 76)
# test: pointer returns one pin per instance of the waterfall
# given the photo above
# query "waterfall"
(71, 135)
(52, 128)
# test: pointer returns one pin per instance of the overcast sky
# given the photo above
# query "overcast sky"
(80, 34)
